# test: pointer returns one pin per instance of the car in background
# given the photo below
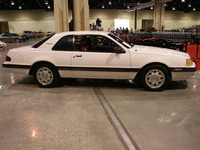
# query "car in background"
(36, 34)
(2, 44)
(161, 43)
(11, 37)
(49, 33)
(146, 38)
(29, 34)
(99, 55)
(41, 33)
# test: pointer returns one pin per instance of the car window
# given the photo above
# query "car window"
(94, 43)
(14, 34)
(64, 44)
(40, 43)
(119, 40)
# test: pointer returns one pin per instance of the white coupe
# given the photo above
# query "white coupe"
(99, 55)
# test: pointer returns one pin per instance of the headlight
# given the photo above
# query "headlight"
(189, 62)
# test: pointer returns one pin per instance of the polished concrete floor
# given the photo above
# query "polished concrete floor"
(72, 116)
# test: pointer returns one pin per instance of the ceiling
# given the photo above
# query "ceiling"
(178, 5)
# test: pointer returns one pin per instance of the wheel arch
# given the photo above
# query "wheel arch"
(39, 63)
(150, 64)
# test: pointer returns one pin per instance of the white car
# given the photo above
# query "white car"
(99, 55)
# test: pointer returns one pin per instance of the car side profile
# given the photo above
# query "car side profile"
(29, 34)
(99, 55)
(11, 37)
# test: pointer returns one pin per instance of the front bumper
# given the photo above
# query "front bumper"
(182, 73)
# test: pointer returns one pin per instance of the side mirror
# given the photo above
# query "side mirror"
(118, 49)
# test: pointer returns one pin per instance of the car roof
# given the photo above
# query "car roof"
(81, 33)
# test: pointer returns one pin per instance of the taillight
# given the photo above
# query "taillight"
(8, 58)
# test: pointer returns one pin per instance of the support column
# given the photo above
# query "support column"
(61, 15)
(81, 15)
(136, 12)
(159, 12)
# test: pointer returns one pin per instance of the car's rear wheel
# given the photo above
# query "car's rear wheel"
(155, 78)
(46, 75)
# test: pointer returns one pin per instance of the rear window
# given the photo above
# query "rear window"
(40, 43)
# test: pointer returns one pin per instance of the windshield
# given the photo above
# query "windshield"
(119, 40)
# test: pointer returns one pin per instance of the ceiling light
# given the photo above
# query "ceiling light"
(189, 5)
(109, 2)
(183, 1)
(46, 2)
(103, 6)
(151, 7)
(48, 7)
(165, 5)
(128, 7)
(20, 7)
(173, 8)
(194, 9)
(12, 3)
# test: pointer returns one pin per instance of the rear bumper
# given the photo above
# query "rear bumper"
(16, 69)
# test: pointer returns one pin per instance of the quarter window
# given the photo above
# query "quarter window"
(40, 43)
(64, 44)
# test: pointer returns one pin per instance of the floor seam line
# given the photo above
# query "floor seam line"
(122, 132)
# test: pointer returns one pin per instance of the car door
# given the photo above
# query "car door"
(98, 59)
(62, 54)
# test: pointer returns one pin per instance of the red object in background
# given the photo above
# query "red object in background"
(127, 38)
(192, 50)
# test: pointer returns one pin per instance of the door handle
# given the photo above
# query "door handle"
(79, 55)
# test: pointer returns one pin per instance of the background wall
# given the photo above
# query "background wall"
(107, 17)
(33, 20)
(39, 20)
(179, 19)
(173, 19)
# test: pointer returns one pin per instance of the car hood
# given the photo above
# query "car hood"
(157, 50)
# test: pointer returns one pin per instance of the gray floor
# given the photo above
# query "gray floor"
(71, 115)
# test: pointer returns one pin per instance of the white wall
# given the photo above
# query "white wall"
(39, 20)
(107, 17)
(179, 19)
(173, 19)
(33, 20)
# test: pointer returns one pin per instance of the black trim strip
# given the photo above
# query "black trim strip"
(183, 69)
(16, 66)
(99, 69)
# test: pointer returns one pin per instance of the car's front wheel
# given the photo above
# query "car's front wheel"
(155, 78)
(46, 75)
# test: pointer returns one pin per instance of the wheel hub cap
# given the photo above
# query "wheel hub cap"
(155, 78)
(44, 75)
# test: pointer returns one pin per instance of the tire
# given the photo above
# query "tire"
(46, 75)
(154, 78)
